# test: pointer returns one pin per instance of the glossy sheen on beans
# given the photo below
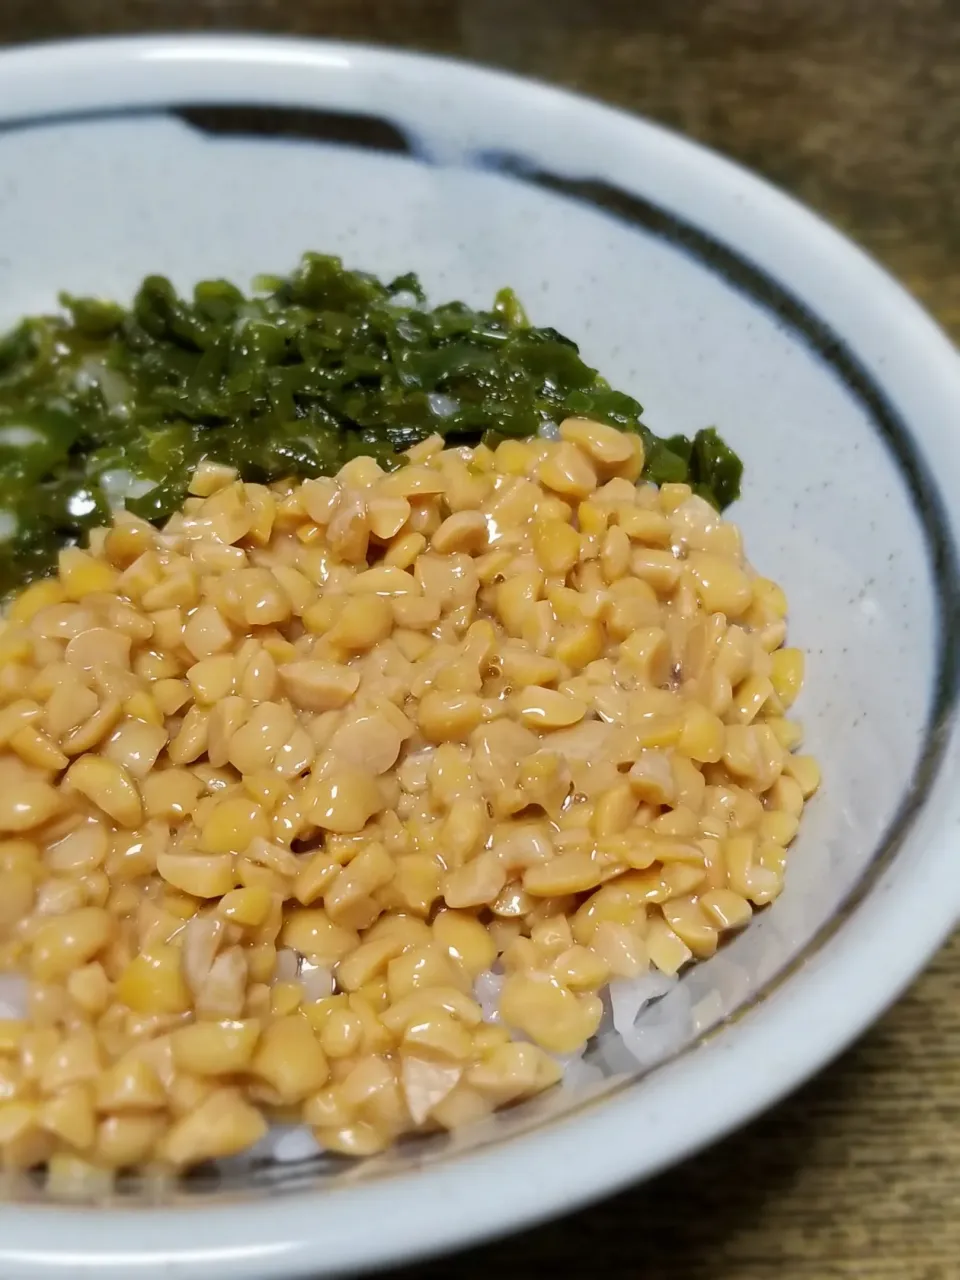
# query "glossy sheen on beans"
(281, 782)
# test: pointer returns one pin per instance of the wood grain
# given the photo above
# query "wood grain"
(855, 107)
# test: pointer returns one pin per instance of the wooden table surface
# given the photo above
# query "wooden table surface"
(855, 106)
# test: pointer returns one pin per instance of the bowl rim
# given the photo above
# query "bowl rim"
(570, 1161)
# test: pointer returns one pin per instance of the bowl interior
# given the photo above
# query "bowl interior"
(92, 202)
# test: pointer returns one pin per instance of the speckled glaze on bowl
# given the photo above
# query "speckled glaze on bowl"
(714, 299)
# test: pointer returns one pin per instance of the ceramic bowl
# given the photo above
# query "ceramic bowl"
(715, 300)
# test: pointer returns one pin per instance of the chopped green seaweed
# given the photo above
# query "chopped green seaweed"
(313, 370)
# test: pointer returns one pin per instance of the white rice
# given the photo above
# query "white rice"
(580, 1075)
(317, 980)
(288, 965)
(707, 1012)
(15, 437)
(288, 1143)
(628, 996)
(113, 385)
(654, 1035)
(639, 1027)
(441, 405)
(13, 995)
(642, 1020)
(283, 1143)
(486, 990)
(631, 1032)
(81, 503)
(119, 484)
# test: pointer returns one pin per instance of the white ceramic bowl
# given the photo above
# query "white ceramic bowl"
(714, 299)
